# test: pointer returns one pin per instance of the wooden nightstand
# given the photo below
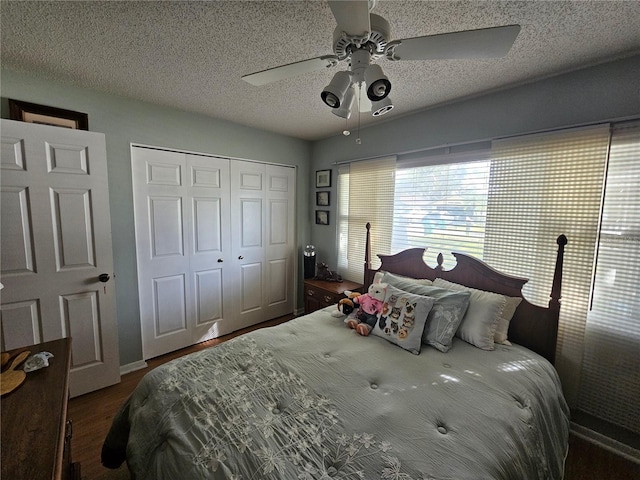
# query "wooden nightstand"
(36, 434)
(320, 293)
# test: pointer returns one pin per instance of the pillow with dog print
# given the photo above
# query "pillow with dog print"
(403, 318)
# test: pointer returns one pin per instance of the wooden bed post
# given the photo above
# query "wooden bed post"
(368, 276)
(554, 303)
(556, 288)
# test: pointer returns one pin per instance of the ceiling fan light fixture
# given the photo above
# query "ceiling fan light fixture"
(344, 111)
(333, 94)
(378, 85)
(381, 107)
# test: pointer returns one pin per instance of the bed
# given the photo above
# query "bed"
(311, 399)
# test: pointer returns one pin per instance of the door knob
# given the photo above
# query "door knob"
(240, 257)
(104, 277)
(220, 260)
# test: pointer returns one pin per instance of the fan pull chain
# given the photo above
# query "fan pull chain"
(358, 139)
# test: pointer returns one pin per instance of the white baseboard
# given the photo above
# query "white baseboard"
(605, 442)
(132, 367)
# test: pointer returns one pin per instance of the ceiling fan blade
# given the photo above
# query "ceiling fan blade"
(290, 70)
(484, 43)
(352, 16)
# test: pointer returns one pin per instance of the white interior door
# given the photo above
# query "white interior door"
(56, 243)
(181, 205)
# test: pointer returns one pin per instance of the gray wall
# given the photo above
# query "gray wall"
(124, 121)
(600, 93)
(595, 94)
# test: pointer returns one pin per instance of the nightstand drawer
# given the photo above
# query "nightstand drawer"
(323, 296)
(320, 293)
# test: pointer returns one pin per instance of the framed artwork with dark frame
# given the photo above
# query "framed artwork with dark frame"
(322, 217)
(45, 115)
(323, 178)
(323, 199)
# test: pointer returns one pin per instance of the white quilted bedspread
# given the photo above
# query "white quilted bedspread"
(310, 399)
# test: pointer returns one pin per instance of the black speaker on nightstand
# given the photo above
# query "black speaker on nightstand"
(309, 261)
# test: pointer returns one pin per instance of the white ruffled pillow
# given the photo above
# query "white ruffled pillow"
(505, 319)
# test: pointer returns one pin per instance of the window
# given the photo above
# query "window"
(610, 380)
(542, 186)
(365, 194)
(443, 206)
(508, 208)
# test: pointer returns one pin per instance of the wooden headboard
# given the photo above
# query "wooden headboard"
(532, 326)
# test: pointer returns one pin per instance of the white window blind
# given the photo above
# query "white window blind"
(441, 206)
(610, 383)
(542, 186)
(370, 199)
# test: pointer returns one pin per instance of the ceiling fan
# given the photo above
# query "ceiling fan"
(362, 37)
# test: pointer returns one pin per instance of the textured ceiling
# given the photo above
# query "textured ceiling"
(191, 55)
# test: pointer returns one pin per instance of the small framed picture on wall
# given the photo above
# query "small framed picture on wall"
(46, 115)
(323, 178)
(322, 217)
(322, 199)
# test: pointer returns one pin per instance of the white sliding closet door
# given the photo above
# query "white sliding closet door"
(280, 240)
(262, 226)
(181, 205)
(215, 242)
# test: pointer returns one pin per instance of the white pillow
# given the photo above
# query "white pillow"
(377, 278)
(505, 320)
(479, 324)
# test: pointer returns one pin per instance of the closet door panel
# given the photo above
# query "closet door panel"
(248, 234)
(169, 305)
(250, 285)
(207, 225)
(210, 259)
(161, 213)
(280, 239)
(166, 226)
(215, 244)
(209, 296)
(279, 282)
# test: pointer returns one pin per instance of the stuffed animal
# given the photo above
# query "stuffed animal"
(369, 307)
(346, 305)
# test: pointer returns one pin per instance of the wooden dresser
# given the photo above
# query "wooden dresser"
(320, 293)
(36, 435)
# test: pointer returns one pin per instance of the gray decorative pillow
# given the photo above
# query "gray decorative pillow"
(445, 316)
(479, 324)
(400, 279)
(403, 318)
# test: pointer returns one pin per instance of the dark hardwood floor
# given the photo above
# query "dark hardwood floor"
(92, 415)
